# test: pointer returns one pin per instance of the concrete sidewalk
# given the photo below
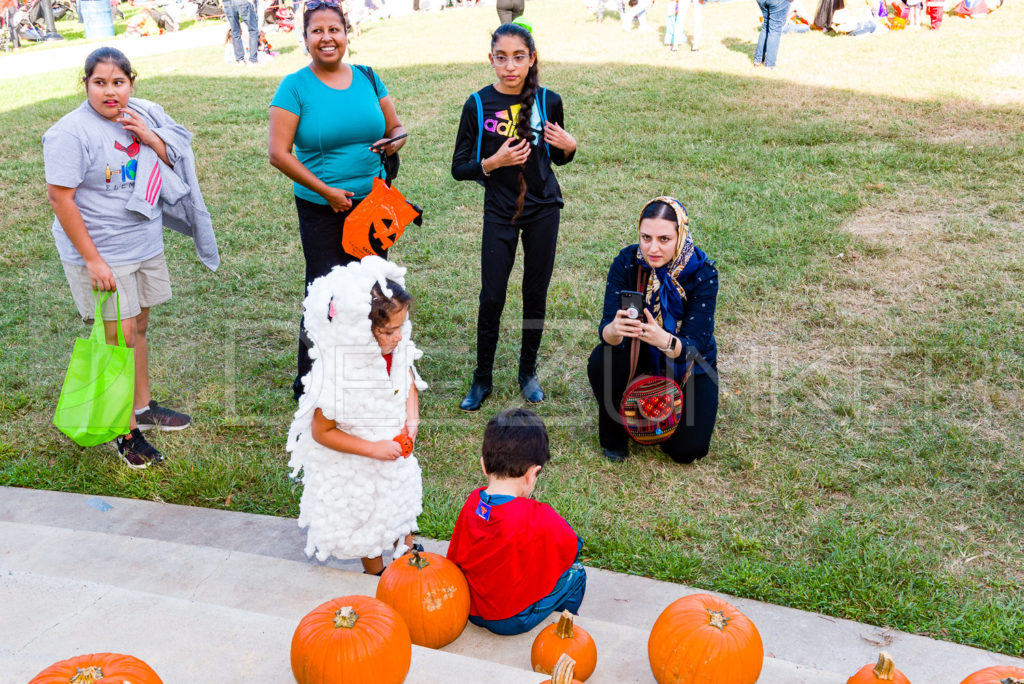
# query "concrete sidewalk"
(207, 595)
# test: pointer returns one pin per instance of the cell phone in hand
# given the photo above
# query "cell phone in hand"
(387, 142)
(631, 302)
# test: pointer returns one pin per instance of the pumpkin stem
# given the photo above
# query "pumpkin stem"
(86, 675)
(563, 630)
(884, 668)
(1011, 680)
(718, 619)
(564, 669)
(418, 561)
(346, 617)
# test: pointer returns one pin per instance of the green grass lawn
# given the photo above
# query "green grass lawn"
(863, 204)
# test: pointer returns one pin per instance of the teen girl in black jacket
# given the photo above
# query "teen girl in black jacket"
(509, 135)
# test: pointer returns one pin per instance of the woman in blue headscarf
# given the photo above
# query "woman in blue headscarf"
(680, 286)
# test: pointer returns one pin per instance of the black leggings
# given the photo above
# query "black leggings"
(320, 229)
(497, 255)
(608, 370)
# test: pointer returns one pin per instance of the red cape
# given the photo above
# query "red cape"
(513, 559)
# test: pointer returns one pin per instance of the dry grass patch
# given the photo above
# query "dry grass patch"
(867, 340)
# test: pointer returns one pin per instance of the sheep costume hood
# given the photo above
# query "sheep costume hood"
(354, 506)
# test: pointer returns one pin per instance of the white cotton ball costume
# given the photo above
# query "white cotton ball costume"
(354, 506)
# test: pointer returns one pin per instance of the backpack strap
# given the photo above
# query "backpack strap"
(479, 124)
(368, 73)
(542, 98)
(544, 116)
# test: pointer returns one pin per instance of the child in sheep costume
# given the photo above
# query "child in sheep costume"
(357, 504)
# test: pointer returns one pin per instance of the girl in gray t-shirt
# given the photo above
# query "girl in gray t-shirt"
(91, 158)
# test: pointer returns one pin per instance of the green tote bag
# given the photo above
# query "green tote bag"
(95, 404)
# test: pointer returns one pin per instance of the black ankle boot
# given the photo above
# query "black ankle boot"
(476, 395)
(530, 386)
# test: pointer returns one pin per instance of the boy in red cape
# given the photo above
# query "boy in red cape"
(518, 555)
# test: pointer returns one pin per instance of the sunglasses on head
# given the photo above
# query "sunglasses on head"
(317, 4)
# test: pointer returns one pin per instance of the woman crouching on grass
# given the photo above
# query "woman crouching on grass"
(103, 166)
(679, 285)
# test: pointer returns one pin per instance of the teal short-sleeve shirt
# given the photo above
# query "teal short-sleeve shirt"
(336, 129)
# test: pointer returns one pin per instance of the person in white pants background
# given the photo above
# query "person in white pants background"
(677, 11)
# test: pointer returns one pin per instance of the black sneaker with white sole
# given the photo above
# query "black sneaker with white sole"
(136, 451)
(159, 417)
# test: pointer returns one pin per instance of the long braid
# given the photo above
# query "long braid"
(529, 95)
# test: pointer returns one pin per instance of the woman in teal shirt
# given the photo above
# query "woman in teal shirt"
(328, 122)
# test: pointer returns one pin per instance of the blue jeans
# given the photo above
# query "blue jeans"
(775, 13)
(863, 28)
(567, 595)
(237, 11)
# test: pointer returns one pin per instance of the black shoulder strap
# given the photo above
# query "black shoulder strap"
(368, 73)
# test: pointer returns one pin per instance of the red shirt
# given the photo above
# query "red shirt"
(512, 559)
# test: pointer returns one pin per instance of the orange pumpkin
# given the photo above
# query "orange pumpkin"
(98, 667)
(563, 671)
(1001, 674)
(351, 639)
(701, 638)
(564, 637)
(882, 671)
(430, 593)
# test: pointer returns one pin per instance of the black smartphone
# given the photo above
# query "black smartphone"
(376, 148)
(632, 302)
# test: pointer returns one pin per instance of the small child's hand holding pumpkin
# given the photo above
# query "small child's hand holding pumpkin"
(404, 441)
(385, 450)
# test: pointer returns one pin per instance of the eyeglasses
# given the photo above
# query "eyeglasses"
(518, 60)
(317, 4)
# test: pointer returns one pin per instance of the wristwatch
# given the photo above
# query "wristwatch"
(671, 345)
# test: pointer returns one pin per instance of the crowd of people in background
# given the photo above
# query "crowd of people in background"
(853, 18)
(253, 22)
